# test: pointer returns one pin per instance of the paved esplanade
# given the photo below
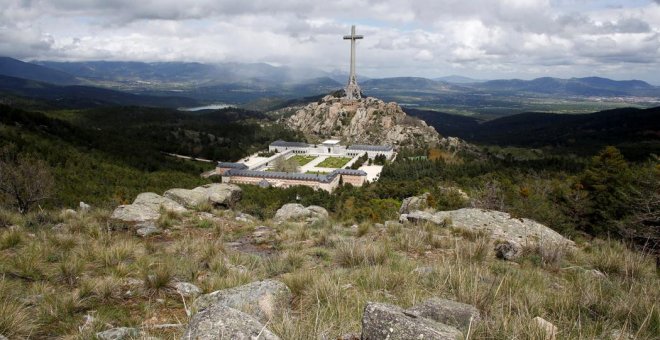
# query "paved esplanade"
(352, 89)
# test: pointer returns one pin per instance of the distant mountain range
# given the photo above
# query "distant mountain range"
(589, 86)
(243, 83)
(16, 68)
(78, 96)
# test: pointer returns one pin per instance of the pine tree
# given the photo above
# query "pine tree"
(607, 182)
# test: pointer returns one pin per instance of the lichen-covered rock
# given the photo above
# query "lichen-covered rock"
(414, 203)
(452, 313)
(294, 212)
(508, 250)
(187, 289)
(383, 321)
(223, 322)
(157, 202)
(217, 194)
(134, 214)
(262, 299)
(145, 208)
(499, 225)
(223, 194)
(365, 121)
(188, 198)
(119, 333)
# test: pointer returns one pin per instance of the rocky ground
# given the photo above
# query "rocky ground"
(185, 265)
(367, 121)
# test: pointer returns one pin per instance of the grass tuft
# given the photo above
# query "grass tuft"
(355, 253)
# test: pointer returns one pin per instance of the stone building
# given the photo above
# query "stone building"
(334, 148)
(258, 170)
(328, 182)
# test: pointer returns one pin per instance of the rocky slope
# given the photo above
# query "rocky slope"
(365, 121)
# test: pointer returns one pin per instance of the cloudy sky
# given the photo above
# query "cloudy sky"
(477, 38)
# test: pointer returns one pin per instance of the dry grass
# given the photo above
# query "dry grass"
(50, 279)
(355, 253)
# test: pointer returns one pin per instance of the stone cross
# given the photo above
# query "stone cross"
(352, 89)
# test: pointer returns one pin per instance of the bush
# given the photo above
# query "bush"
(24, 179)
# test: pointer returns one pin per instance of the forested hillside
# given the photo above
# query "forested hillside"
(635, 131)
(106, 156)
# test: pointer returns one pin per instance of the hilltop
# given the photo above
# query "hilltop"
(364, 121)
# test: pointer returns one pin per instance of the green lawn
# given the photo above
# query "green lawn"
(334, 162)
(302, 160)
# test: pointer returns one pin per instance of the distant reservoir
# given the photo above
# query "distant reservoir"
(206, 107)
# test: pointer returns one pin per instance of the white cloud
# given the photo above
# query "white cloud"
(480, 38)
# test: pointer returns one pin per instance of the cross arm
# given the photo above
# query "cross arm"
(353, 37)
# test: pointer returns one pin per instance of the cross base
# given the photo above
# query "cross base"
(353, 92)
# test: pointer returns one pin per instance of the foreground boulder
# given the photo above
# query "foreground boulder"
(224, 322)
(217, 194)
(383, 321)
(261, 299)
(294, 212)
(499, 224)
(145, 208)
(452, 313)
(157, 202)
(414, 203)
(188, 198)
(134, 214)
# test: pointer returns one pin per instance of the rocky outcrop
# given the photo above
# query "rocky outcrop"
(217, 194)
(499, 225)
(383, 321)
(448, 312)
(294, 212)
(223, 194)
(261, 299)
(414, 203)
(134, 214)
(364, 121)
(157, 202)
(456, 145)
(223, 322)
(145, 208)
(188, 198)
